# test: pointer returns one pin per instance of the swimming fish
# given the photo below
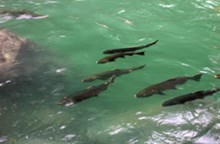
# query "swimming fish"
(117, 55)
(165, 85)
(217, 76)
(129, 49)
(190, 97)
(90, 92)
(21, 14)
(108, 74)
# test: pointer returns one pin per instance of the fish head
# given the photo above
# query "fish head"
(168, 103)
(67, 101)
(172, 102)
(140, 94)
(146, 93)
(101, 61)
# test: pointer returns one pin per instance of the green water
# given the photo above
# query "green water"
(76, 33)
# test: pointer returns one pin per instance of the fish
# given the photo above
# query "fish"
(217, 76)
(190, 97)
(118, 55)
(91, 91)
(107, 74)
(165, 85)
(129, 49)
(22, 14)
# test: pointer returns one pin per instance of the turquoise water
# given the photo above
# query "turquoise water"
(73, 38)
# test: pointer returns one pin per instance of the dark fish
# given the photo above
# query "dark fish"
(217, 76)
(129, 49)
(165, 85)
(22, 14)
(117, 55)
(108, 74)
(190, 97)
(90, 92)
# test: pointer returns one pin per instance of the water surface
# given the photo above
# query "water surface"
(76, 33)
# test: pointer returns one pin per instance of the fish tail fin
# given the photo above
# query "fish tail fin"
(197, 77)
(137, 68)
(155, 42)
(217, 89)
(140, 53)
(150, 44)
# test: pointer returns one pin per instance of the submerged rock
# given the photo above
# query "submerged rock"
(23, 60)
(10, 45)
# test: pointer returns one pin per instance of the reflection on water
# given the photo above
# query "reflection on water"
(196, 123)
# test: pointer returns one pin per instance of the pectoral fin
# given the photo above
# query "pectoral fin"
(140, 53)
(161, 93)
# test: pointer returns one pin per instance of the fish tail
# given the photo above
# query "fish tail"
(137, 68)
(150, 44)
(155, 42)
(197, 77)
(210, 92)
(216, 89)
(140, 53)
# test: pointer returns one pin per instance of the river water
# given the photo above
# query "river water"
(74, 36)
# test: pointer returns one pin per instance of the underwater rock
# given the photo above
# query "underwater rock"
(10, 45)
(17, 57)
(22, 61)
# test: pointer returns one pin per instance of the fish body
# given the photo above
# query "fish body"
(22, 14)
(108, 74)
(190, 97)
(118, 55)
(165, 85)
(129, 49)
(90, 92)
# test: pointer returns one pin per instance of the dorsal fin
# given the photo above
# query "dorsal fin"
(90, 87)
